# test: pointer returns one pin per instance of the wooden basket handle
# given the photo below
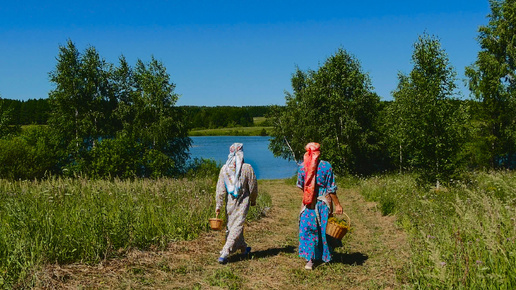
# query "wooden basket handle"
(349, 219)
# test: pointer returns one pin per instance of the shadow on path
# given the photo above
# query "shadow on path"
(349, 259)
(262, 254)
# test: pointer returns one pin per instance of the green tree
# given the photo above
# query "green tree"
(80, 101)
(5, 118)
(116, 121)
(334, 106)
(492, 81)
(125, 93)
(8, 126)
(425, 126)
(159, 124)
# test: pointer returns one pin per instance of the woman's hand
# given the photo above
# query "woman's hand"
(338, 209)
(335, 201)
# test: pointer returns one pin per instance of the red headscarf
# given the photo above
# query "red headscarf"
(311, 160)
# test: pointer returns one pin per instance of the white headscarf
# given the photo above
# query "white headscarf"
(233, 169)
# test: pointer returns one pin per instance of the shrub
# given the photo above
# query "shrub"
(32, 154)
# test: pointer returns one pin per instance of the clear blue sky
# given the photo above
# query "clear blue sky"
(232, 52)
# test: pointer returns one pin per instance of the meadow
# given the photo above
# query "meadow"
(65, 220)
(259, 128)
(236, 131)
(463, 236)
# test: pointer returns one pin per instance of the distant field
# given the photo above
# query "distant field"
(257, 130)
(237, 131)
(259, 120)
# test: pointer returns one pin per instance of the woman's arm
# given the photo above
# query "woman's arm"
(336, 202)
(253, 186)
(220, 193)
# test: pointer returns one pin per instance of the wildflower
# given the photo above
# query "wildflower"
(443, 264)
(478, 262)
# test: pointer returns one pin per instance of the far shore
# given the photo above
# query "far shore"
(236, 131)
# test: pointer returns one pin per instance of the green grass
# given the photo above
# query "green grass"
(78, 220)
(257, 130)
(225, 278)
(259, 120)
(463, 236)
(237, 131)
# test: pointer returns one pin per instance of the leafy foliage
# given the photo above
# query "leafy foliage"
(116, 121)
(334, 106)
(6, 126)
(32, 154)
(492, 81)
(425, 127)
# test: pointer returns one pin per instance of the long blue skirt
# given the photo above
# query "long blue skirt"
(312, 237)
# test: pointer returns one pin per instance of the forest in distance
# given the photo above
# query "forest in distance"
(37, 112)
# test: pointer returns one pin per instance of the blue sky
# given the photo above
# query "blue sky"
(233, 52)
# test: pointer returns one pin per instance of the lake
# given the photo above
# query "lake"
(256, 153)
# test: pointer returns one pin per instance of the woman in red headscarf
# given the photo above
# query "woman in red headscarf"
(315, 177)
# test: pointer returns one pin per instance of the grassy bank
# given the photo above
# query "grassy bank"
(78, 220)
(237, 131)
(260, 128)
(463, 236)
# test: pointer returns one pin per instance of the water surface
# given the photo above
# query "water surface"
(256, 153)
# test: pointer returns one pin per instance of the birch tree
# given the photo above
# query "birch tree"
(335, 106)
(492, 81)
(427, 127)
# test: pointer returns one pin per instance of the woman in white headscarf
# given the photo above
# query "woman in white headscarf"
(237, 187)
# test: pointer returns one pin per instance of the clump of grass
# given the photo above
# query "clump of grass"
(62, 220)
(225, 278)
(390, 191)
(463, 236)
(263, 204)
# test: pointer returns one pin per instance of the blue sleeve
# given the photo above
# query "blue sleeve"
(331, 185)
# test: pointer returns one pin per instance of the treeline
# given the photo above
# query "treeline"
(37, 112)
(224, 116)
(32, 111)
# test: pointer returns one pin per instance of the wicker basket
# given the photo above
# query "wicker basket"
(337, 231)
(215, 224)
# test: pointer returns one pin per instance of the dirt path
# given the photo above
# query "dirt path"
(372, 255)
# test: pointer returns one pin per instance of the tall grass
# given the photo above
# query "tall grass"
(78, 220)
(463, 236)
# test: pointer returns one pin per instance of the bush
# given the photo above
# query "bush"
(32, 154)
(117, 157)
(201, 167)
